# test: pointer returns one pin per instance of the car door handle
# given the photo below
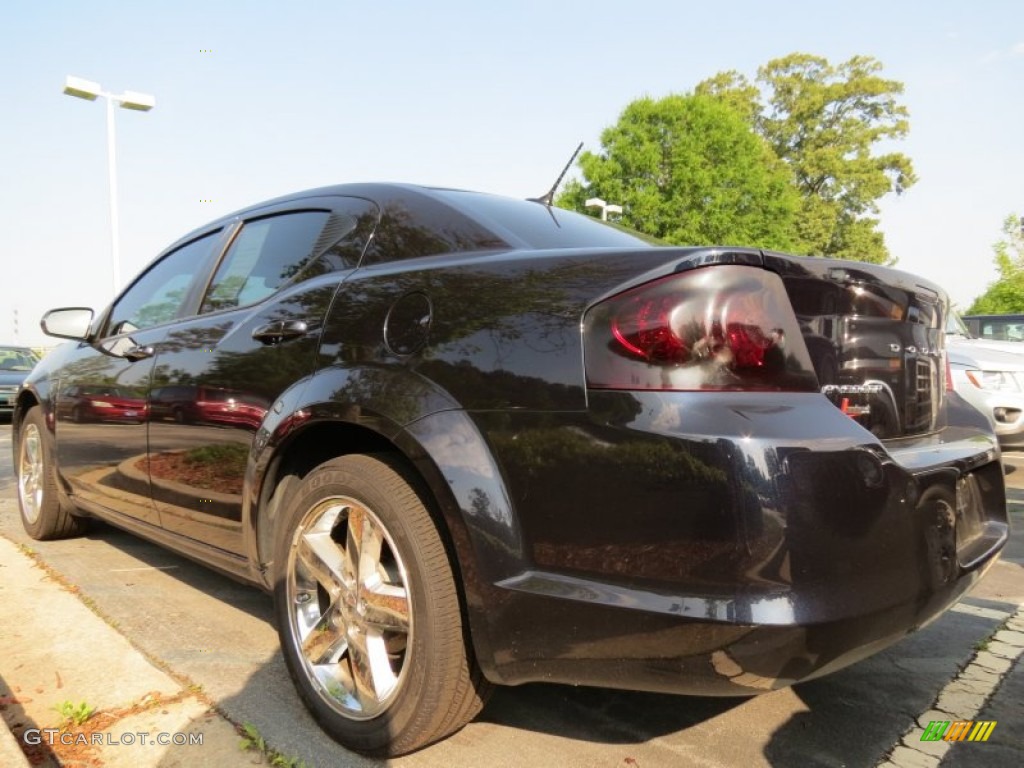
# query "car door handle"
(280, 330)
(134, 354)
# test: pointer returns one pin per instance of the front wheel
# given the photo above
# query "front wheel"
(42, 514)
(368, 610)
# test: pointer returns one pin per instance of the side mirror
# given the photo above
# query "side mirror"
(67, 323)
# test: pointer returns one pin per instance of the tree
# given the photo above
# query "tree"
(689, 170)
(825, 122)
(734, 90)
(1006, 294)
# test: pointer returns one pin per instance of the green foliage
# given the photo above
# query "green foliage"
(230, 454)
(253, 741)
(74, 714)
(1005, 295)
(824, 122)
(157, 311)
(689, 170)
(788, 161)
(735, 91)
(546, 453)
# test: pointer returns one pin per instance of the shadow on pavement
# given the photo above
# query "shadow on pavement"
(240, 595)
(600, 715)
(858, 714)
(39, 755)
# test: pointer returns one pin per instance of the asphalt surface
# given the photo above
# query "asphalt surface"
(210, 648)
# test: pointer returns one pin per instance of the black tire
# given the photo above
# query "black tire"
(42, 514)
(384, 666)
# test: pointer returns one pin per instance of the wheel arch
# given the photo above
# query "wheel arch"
(325, 438)
(26, 399)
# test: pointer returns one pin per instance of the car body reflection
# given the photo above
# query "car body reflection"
(101, 403)
(207, 405)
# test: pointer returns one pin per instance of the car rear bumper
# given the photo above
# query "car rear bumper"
(722, 545)
(646, 649)
(830, 593)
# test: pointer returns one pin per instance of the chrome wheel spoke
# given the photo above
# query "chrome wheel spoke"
(325, 642)
(370, 541)
(386, 608)
(374, 679)
(320, 557)
(381, 605)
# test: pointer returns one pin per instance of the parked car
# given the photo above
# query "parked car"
(209, 405)
(15, 364)
(508, 443)
(100, 402)
(998, 327)
(989, 374)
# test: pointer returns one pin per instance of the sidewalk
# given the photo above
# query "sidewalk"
(58, 654)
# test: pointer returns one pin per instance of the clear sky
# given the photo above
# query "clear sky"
(257, 99)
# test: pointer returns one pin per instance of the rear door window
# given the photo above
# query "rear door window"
(265, 254)
(285, 247)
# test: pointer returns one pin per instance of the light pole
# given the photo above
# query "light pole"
(606, 208)
(141, 102)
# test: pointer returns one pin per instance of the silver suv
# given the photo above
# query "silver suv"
(989, 374)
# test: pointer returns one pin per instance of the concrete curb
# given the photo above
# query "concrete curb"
(144, 716)
(964, 697)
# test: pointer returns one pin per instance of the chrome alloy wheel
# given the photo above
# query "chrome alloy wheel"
(31, 469)
(350, 610)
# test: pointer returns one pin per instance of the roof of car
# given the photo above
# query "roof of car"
(1008, 316)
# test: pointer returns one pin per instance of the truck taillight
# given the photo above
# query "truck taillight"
(717, 327)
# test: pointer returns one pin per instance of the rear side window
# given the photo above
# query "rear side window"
(265, 255)
(273, 251)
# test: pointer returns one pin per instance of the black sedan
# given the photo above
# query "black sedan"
(499, 442)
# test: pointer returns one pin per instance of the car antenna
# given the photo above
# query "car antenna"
(549, 198)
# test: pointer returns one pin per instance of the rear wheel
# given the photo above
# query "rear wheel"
(368, 611)
(41, 512)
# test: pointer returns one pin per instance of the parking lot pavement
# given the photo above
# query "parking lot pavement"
(160, 645)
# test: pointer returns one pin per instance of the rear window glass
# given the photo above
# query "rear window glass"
(1001, 329)
(421, 226)
(540, 226)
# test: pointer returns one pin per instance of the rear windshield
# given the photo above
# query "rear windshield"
(539, 226)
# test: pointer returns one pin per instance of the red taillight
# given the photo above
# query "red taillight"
(644, 330)
(721, 327)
